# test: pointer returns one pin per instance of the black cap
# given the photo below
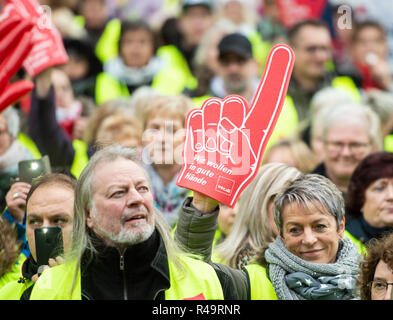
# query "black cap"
(235, 43)
(192, 3)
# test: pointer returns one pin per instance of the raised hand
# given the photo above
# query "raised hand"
(225, 139)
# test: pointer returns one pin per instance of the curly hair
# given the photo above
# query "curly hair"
(377, 249)
(9, 247)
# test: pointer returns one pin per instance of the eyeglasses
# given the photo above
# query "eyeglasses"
(379, 287)
(355, 147)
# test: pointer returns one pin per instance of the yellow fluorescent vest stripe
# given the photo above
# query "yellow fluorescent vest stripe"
(80, 158)
(198, 279)
(261, 287)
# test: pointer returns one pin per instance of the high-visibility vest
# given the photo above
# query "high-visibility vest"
(10, 287)
(178, 63)
(361, 247)
(169, 80)
(198, 281)
(29, 144)
(260, 285)
(388, 143)
(107, 46)
(286, 124)
(80, 158)
(347, 84)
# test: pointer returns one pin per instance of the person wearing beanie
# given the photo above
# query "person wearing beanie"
(370, 197)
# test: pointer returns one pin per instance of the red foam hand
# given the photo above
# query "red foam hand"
(15, 45)
(225, 138)
(48, 49)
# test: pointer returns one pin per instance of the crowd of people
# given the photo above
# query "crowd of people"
(316, 222)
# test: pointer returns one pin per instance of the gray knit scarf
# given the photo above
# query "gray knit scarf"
(296, 279)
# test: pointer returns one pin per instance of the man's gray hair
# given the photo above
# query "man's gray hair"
(81, 238)
(310, 189)
(13, 122)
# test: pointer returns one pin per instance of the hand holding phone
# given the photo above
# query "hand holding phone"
(48, 244)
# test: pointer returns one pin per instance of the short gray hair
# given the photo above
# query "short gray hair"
(355, 112)
(310, 189)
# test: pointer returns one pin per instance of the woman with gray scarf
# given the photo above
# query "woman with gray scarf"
(310, 259)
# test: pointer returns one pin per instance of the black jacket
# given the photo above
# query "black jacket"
(361, 230)
(140, 273)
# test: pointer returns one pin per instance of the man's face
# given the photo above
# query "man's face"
(50, 205)
(236, 72)
(313, 49)
(136, 48)
(194, 22)
(122, 203)
(5, 138)
(369, 40)
(345, 146)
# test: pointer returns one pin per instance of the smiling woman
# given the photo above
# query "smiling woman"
(311, 259)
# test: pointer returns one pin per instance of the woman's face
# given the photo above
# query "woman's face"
(226, 217)
(163, 138)
(378, 204)
(310, 234)
(382, 276)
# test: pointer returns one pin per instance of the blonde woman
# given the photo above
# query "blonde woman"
(294, 152)
(162, 120)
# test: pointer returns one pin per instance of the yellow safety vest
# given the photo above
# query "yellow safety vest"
(178, 63)
(166, 81)
(199, 281)
(10, 288)
(347, 84)
(107, 46)
(286, 124)
(261, 286)
(361, 247)
(388, 143)
(29, 144)
(80, 158)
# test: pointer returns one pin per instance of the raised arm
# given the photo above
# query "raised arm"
(43, 126)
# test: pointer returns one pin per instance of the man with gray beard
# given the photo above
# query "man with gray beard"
(121, 244)
(237, 69)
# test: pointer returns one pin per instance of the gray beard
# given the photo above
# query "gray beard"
(235, 87)
(125, 236)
